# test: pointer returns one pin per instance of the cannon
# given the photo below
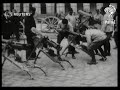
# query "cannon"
(72, 41)
(51, 43)
(24, 66)
(46, 46)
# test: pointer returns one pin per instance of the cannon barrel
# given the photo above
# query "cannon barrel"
(51, 43)
(84, 13)
(15, 45)
(20, 46)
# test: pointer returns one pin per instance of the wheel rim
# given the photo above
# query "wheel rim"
(51, 22)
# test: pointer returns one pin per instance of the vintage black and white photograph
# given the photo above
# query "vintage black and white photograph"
(59, 45)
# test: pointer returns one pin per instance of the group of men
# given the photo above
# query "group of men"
(11, 24)
(94, 29)
(96, 36)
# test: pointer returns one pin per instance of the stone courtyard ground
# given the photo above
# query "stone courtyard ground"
(103, 74)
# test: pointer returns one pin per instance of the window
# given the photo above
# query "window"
(86, 7)
(99, 5)
(6, 6)
(17, 7)
(26, 7)
(74, 7)
(37, 6)
(50, 8)
(93, 8)
(60, 7)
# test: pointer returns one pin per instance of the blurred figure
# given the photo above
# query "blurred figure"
(29, 24)
(95, 39)
(98, 18)
(6, 29)
(108, 28)
(71, 18)
(61, 15)
(6, 25)
(63, 27)
(116, 30)
(74, 14)
(57, 15)
(15, 24)
(95, 22)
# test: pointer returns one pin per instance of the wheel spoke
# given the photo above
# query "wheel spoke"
(44, 21)
(47, 24)
(55, 26)
(53, 20)
(49, 20)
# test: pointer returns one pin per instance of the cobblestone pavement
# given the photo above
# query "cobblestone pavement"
(103, 74)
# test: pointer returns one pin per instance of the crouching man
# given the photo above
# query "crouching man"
(63, 27)
(95, 39)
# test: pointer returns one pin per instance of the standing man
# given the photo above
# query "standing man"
(98, 19)
(29, 26)
(71, 18)
(15, 24)
(6, 25)
(108, 27)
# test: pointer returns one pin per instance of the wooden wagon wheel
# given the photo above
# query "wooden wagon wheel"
(51, 22)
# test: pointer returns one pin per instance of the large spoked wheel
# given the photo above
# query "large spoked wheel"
(50, 23)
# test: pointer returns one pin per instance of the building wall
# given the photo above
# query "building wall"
(52, 8)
